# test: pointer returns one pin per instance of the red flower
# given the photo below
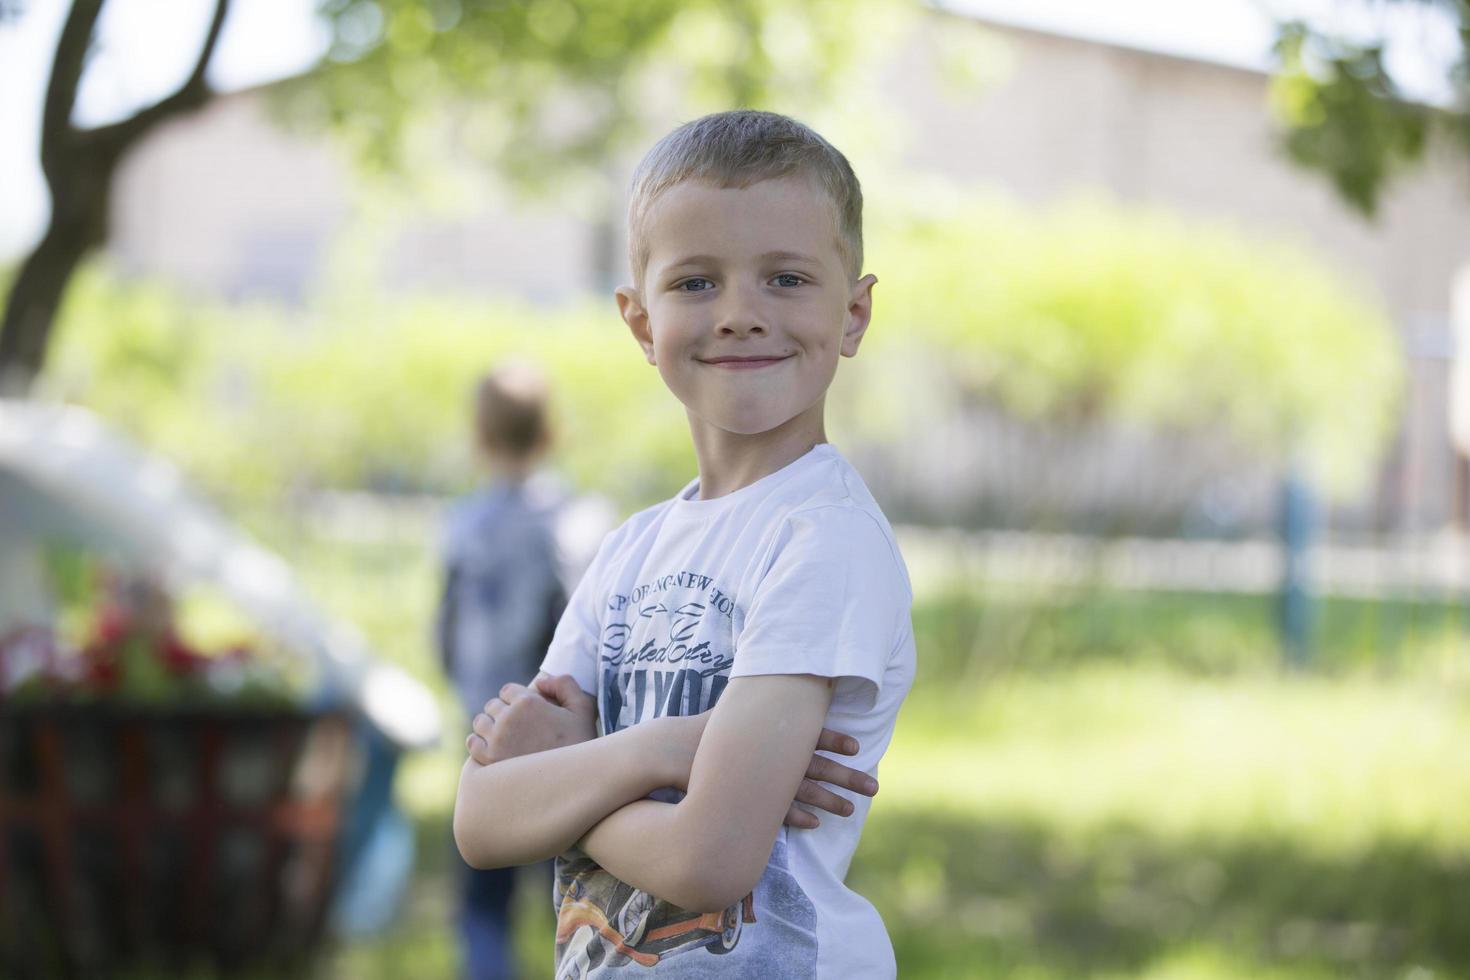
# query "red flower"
(179, 658)
(102, 673)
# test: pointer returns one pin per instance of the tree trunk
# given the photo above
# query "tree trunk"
(30, 310)
(82, 196)
(79, 166)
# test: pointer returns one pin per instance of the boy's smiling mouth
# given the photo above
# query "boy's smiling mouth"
(746, 362)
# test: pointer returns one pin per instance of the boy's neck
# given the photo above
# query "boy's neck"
(729, 461)
(500, 469)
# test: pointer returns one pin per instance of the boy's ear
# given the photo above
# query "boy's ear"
(630, 305)
(859, 313)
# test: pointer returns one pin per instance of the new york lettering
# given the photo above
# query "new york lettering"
(617, 602)
(675, 692)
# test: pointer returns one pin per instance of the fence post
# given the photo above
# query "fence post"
(1296, 600)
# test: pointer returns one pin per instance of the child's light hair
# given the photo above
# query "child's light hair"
(737, 149)
(511, 409)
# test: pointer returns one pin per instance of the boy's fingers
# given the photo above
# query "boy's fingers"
(560, 689)
(510, 692)
(482, 725)
(800, 819)
(567, 688)
(813, 794)
(479, 750)
(494, 707)
(825, 770)
(830, 741)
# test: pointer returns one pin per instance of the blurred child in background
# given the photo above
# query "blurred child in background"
(503, 594)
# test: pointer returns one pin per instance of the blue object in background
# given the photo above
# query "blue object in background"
(1298, 527)
(377, 847)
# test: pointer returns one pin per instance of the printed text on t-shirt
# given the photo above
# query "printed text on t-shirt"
(667, 652)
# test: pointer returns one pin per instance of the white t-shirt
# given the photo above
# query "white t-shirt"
(797, 573)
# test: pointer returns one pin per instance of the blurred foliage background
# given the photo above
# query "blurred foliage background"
(1156, 323)
(1087, 780)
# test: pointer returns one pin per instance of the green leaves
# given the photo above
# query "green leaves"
(565, 85)
(1344, 115)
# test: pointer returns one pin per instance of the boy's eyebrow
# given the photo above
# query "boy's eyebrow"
(778, 256)
(693, 260)
(791, 257)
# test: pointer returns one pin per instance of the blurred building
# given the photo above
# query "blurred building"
(227, 203)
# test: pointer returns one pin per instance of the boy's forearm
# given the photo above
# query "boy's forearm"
(532, 807)
(648, 844)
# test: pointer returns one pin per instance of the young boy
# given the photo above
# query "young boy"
(502, 597)
(770, 590)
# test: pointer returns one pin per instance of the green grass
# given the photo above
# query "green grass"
(1340, 762)
(1122, 821)
(1095, 785)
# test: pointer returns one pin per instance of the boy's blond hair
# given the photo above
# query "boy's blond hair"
(737, 149)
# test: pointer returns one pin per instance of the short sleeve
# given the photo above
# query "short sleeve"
(575, 643)
(831, 602)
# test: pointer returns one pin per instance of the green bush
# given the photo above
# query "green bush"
(1093, 309)
(359, 391)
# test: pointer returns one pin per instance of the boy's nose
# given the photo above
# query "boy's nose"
(740, 328)
(741, 317)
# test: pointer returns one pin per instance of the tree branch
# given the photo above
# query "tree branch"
(66, 77)
(192, 94)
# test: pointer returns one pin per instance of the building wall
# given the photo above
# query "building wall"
(227, 203)
(1192, 136)
(223, 203)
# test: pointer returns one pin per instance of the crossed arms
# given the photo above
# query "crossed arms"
(537, 782)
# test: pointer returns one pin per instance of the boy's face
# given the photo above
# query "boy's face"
(745, 303)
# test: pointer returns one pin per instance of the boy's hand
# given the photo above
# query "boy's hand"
(825, 770)
(524, 720)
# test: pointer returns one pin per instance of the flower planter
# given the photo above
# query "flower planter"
(163, 838)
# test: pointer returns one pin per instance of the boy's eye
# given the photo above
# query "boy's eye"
(788, 279)
(695, 285)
